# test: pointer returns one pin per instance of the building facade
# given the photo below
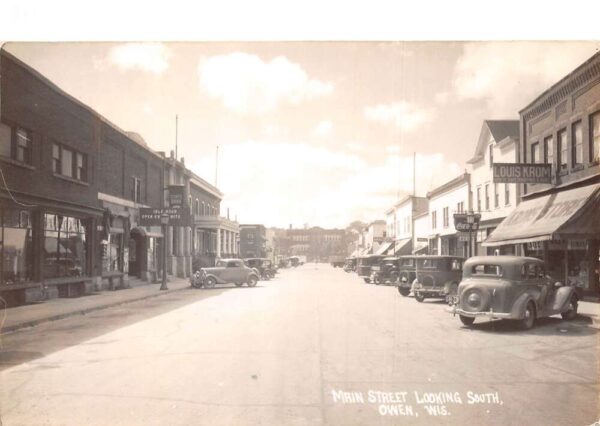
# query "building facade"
(559, 221)
(316, 243)
(253, 241)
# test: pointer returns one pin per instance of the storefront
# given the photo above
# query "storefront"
(562, 228)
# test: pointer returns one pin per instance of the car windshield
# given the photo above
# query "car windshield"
(408, 262)
(489, 270)
(220, 264)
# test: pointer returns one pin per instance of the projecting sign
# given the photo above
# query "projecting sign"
(177, 217)
(461, 221)
(176, 195)
(522, 173)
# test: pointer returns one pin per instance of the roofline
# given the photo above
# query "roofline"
(406, 199)
(457, 181)
(559, 82)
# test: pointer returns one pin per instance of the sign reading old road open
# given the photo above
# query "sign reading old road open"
(522, 173)
(177, 217)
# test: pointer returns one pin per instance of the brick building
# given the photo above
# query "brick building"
(253, 241)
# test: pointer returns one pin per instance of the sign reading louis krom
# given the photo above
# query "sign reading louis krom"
(522, 173)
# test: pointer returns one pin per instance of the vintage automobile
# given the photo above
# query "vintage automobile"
(406, 274)
(436, 276)
(350, 265)
(295, 261)
(364, 264)
(511, 287)
(224, 272)
(386, 271)
(264, 267)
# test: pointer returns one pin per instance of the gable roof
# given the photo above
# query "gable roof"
(499, 130)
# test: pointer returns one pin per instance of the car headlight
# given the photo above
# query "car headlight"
(474, 300)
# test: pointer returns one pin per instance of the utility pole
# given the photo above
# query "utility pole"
(176, 125)
(414, 174)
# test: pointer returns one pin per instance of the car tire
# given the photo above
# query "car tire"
(529, 320)
(367, 280)
(404, 291)
(393, 277)
(210, 282)
(571, 314)
(419, 297)
(468, 321)
(252, 280)
(376, 279)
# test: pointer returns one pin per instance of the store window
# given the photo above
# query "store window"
(595, 137)
(111, 253)
(64, 246)
(577, 143)
(16, 248)
(16, 143)
(562, 149)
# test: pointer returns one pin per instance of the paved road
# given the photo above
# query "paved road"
(314, 346)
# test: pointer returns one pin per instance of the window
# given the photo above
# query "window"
(111, 253)
(446, 218)
(479, 199)
(460, 207)
(16, 241)
(23, 146)
(69, 163)
(577, 143)
(491, 149)
(535, 153)
(136, 189)
(496, 196)
(494, 270)
(64, 246)
(506, 194)
(190, 204)
(433, 219)
(562, 148)
(595, 137)
(5, 141)
(203, 209)
(487, 196)
(197, 207)
(15, 143)
(549, 150)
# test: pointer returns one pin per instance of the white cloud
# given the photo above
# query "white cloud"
(149, 57)
(315, 185)
(248, 85)
(403, 115)
(508, 75)
(324, 128)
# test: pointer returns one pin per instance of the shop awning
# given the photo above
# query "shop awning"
(401, 247)
(383, 248)
(420, 247)
(563, 215)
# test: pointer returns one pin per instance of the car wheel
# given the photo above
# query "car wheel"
(252, 280)
(571, 312)
(210, 282)
(527, 322)
(393, 277)
(376, 279)
(419, 297)
(404, 291)
(367, 280)
(468, 321)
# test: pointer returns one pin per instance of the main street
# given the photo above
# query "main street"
(313, 346)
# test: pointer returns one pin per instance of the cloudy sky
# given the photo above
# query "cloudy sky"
(318, 133)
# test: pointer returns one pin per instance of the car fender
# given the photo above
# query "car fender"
(519, 305)
(252, 274)
(562, 298)
(217, 279)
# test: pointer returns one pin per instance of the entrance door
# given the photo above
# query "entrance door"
(137, 253)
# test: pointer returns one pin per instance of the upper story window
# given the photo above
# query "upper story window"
(191, 204)
(69, 163)
(479, 199)
(577, 143)
(446, 217)
(433, 219)
(136, 189)
(460, 207)
(487, 196)
(535, 153)
(496, 196)
(491, 149)
(203, 209)
(595, 137)
(197, 206)
(16, 143)
(506, 194)
(562, 149)
(549, 150)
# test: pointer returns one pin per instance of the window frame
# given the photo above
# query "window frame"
(78, 174)
(14, 144)
(550, 139)
(594, 156)
(575, 144)
(136, 189)
(535, 153)
(562, 142)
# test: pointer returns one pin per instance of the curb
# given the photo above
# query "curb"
(33, 323)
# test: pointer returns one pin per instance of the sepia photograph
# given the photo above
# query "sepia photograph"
(299, 231)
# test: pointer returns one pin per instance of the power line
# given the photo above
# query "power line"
(10, 193)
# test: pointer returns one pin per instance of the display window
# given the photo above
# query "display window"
(16, 247)
(65, 246)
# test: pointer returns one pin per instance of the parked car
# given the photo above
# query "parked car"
(386, 271)
(406, 274)
(437, 276)
(511, 287)
(295, 261)
(224, 272)
(364, 264)
(263, 267)
(350, 265)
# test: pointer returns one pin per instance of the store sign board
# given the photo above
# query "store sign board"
(522, 173)
(463, 237)
(177, 216)
(466, 222)
(176, 196)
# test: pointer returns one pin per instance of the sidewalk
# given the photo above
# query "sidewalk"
(54, 309)
(590, 310)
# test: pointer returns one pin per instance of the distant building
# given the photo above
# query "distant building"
(253, 241)
(316, 243)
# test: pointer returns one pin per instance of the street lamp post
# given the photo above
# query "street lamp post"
(164, 220)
